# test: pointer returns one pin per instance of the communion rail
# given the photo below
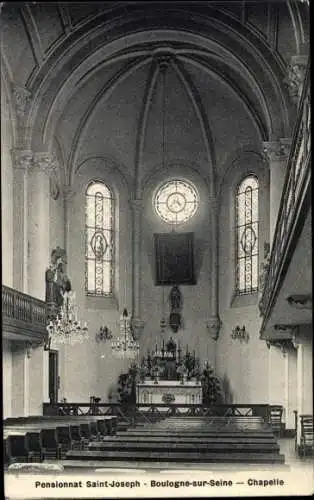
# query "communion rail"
(149, 412)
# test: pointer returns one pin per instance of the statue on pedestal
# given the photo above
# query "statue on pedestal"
(57, 282)
(175, 298)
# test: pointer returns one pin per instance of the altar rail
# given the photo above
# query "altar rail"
(23, 314)
(133, 413)
(294, 204)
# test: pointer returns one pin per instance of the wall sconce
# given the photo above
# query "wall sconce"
(240, 334)
(103, 335)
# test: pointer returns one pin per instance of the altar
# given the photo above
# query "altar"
(167, 376)
(169, 391)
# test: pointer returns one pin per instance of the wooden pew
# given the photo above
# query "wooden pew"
(52, 436)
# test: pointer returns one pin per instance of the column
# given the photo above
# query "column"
(213, 324)
(38, 216)
(137, 323)
(277, 153)
(276, 380)
(22, 160)
(286, 403)
(300, 359)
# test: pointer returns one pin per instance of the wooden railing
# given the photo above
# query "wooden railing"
(294, 203)
(23, 314)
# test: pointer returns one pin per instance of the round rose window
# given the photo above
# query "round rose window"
(176, 201)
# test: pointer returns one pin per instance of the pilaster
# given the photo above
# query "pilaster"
(276, 153)
(137, 207)
(22, 161)
(300, 382)
(22, 98)
(44, 165)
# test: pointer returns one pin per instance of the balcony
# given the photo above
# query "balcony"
(23, 316)
(293, 219)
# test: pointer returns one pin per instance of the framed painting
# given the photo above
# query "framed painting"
(174, 259)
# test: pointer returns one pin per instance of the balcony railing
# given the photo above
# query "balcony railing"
(294, 203)
(23, 316)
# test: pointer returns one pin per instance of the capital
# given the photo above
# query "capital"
(213, 326)
(137, 327)
(276, 150)
(45, 162)
(295, 76)
(22, 158)
(22, 97)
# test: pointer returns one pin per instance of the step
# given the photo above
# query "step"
(151, 455)
(204, 435)
(187, 439)
(91, 465)
(201, 447)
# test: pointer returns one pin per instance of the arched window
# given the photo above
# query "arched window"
(99, 240)
(246, 228)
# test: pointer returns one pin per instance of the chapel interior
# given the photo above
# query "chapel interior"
(156, 232)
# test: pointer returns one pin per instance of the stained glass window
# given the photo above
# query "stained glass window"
(176, 201)
(247, 236)
(99, 240)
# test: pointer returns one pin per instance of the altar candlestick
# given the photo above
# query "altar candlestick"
(163, 344)
(187, 351)
(194, 354)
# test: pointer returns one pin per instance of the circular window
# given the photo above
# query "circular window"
(176, 201)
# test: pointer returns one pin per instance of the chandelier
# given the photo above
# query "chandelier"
(65, 328)
(125, 346)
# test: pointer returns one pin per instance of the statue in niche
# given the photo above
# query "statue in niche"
(175, 299)
(57, 282)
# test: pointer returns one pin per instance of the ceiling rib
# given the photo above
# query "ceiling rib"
(103, 94)
(33, 34)
(60, 98)
(264, 130)
(202, 117)
(142, 126)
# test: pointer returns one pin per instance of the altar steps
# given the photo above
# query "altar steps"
(174, 456)
(199, 435)
(214, 445)
(186, 439)
(235, 440)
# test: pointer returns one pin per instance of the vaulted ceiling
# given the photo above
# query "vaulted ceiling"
(95, 83)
